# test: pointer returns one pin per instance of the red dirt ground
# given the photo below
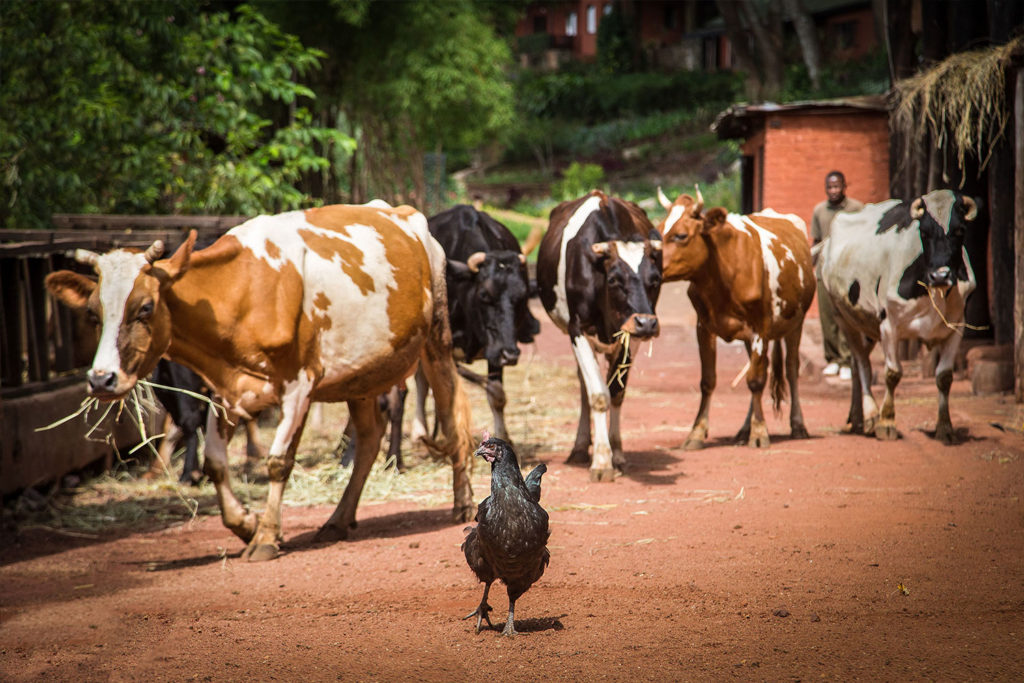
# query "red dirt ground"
(837, 557)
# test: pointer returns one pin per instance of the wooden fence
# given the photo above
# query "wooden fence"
(45, 348)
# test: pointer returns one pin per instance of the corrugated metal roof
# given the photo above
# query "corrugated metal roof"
(739, 120)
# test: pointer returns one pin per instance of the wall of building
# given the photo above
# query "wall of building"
(801, 148)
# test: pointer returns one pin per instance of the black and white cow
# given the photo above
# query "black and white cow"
(599, 275)
(898, 270)
(488, 292)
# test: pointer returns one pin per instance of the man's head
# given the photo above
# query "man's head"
(835, 187)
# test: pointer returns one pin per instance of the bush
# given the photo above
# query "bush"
(578, 180)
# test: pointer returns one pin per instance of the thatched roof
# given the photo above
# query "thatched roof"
(960, 102)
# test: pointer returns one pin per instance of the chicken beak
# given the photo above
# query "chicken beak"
(485, 453)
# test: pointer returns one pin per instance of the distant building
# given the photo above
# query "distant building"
(788, 149)
(680, 34)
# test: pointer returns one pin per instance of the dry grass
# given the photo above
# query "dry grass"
(960, 102)
(541, 414)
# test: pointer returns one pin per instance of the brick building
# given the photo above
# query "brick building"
(788, 149)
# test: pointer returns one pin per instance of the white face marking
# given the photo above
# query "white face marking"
(118, 271)
(757, 345)
(632, 253)
(673, 216)
(560, 313)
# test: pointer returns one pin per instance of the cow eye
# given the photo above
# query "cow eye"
(486, 297)
(92, 316)
(145, 311)
(679, 237)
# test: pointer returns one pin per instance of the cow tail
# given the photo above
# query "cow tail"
(778, 378)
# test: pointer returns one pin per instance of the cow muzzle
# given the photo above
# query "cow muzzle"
(105, 385)
(940, 277)
(642, 326)
(509, 356)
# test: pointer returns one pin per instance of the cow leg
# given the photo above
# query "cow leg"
(616, 384)
(885, 429)
(453, 414)
(215, 466)
(396, 413)
(943, 380)
(797, 428)
(161, 464)
(265, 543)
(598, 400)
(190, 472)
(580, 454)
(755, 431)
(364, 414)
(253, 452)
(496, 400)
(863, 410)
(418, 430)
(706, 345)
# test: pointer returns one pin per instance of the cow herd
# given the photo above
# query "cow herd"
(343, 303)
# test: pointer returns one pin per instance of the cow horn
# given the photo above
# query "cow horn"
(972, 208)
(917, 208)
(600, 248)
(665, 203)
(656, 245)
(700, 201)
(155, 251)
(87, 257)
(475, 260)
(522, 259)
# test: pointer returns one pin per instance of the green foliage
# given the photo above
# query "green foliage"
(589, 95)
(868, 75)
(577, 180)
(155, 107)
(617, 47)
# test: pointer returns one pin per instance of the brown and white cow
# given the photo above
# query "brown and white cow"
(751, 279)
(599, 275)
(330, 304)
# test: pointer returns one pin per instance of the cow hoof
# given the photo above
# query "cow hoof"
(945, 434)
(463, 513)
(330, 534)
(799, 433)
(578, 457)
(603, 475)
(886, 432)
(761, 441)
(693, 444)
(261, 553)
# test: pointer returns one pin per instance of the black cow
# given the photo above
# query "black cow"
(599, 276)
(488, 291)
(898, 270)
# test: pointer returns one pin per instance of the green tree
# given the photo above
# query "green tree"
(152, 107)
(409, 78)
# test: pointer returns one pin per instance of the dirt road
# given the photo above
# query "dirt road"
(838, 557)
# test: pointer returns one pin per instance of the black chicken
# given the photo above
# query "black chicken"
(510, 539)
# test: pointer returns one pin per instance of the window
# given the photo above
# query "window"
(843, 34)
(607, 8)
(591, 19)
(671, 18)
(540, 23)
(570, 24)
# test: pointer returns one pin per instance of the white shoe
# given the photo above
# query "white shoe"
(845, 374)
(831, 370)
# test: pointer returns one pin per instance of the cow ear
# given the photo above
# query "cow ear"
(599, 250)
(169, 270)
(714, 218)
(459, 270)
(70, 288)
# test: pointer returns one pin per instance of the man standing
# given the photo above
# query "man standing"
(837, 353)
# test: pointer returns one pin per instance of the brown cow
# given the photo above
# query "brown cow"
(751, 279)
(331, 304)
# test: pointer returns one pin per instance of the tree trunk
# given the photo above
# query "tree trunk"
(741, 48)
(767, 32)
(808, 37)
(1018, 221)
